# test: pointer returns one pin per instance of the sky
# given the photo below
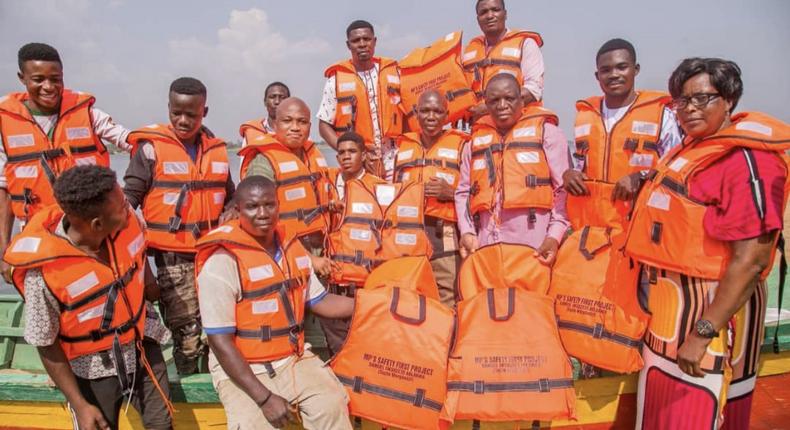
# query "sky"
(126, 53)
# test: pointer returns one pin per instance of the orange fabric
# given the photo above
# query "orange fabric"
(595, 290)
(353, 108)
(507, 363)
(597, 209)
(667, 226)
(394, 360)
(34, 161)
(96, 300)
(186, 197)
(419, 276)
(378, 224)
(631, 145)
(436, 67)
(270, 314)
(505, 57)
(515, 163)
(443, 161)
(302, 188)
(253, 131)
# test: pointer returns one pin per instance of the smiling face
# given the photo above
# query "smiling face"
(491, 17)
(703, 121)
(186, 114)
(615, 72)
(258, 216)
(504, 102)
(362, 44)
(43, 81)
(292, 123)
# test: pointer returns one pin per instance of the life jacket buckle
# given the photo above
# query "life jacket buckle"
(597, 331)
(543, 385)
(532, 181)
(196, 231)
(266, 333)
(479, 387)
(419, 398)
(532, 217)
(96, 335)
(357, 386)
(655, 232)
(51, 154)
(175, 224)
(631, 144)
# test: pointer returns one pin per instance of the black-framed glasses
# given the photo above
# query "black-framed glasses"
(699, 100)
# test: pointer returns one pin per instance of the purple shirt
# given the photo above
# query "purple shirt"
(514, 223)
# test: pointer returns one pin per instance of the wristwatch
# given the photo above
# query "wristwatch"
(704, 328)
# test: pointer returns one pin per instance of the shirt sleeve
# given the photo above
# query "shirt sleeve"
(42, 315)
(108, 130)
(139, 175)
(3, 161)
(261, 165)
(555, 147)
(315, 290)
(219, 289)
(465, 222)
(532, 68)
(671, 135)
(328, 109)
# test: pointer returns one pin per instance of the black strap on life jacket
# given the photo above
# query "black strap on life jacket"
(543, 385)
(781, 289)
(418, 399)
(599, 332)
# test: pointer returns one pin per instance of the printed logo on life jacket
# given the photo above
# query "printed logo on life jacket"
(448, 153)
(26, 172)
(407, 211)
(448, 177)
(584, 305)
(362, 208)
(385, 194)
(89, 314)
(219, 167)
(396, 369)
(295, 194)
(27, 245)
(405, 239)
(74, 133)
(528, 157)
(511, 52)
(260, 272)
(659, 200)
(288, 166)
(269, 306)
(85, 161)
(483, 140)
(20, 140)
(80, 286)
(582, 130)
(510, 363)
(405, 155)
(755, 127)
(646, 128)
(175, 167)
(641, 160)
(359, 234)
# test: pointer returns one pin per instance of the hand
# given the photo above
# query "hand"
(439, 188)
(627, 187)
(89, 417)
(547, 252)
(323, 266)
(690, 355)
(277, 411)
(229, 214)
(478, 111)
(469, 244)
(336, 206)
(6, 269)
(573, 181)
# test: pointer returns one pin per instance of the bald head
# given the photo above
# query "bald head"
(293, 103)
(292, 122)
(432, 96)
(431, 114)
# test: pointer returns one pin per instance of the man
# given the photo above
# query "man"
(511, 176)
(82, 270)
(262, 369)
(179, 175)
(433, 157)
(354, 99)
(48, 121)
(499, 50)
(638, 127)
(252, 130)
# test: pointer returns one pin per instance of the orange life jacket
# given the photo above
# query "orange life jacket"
(353, 108)
(666, 228)
(597, 209)
(442, 161)
(391, 274)
(514, 164)
(631, 145)
(186, 197)
(595, 291)
(270, 314)
(97, 301)
(302, 188)
(253, 131)
(394, 360)
(436, 67)
(333, 174)
(505, 57)
(378, 224)
(507, 363)
(35, 160)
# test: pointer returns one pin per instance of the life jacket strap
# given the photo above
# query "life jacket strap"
(543, 385)
(418, 399)
(599, 332)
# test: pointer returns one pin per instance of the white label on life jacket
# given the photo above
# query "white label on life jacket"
(524, 132)
(641, 160)
(175, 167)
(452, 154)
(27, 244)
(85, 161)
(169, 199)
(222, 229)
(407, 211)
(362, 208)
(646, 128)
(528, 157)
(511, 52)
(507, 72)
(483, 140)
(405, 239)
(303, 262)
(678, 164)
(405, 176)
(321, 162)
(471, 55)
(265, 306)
(89, 314)
(260, 272)
(219, 167)
(385, 194)
(659, 200)
(295, 194)
(405, 155)
(449, 37)
(359, 234)
(755, 127)
(21, 140)
(395, 99)
(345, 109)
(448, 177)
(582, 130)
(393, 79)
(348, 86)
(73, 133)
(136, 245)
(219, 198)
(288, 166)
(80, 286)
(479, 164)
(26, 172)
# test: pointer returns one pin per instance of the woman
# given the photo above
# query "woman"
(705, 226)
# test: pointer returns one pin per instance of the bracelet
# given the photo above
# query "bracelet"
(260, 404)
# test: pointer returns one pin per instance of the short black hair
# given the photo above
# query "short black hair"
(188, 86)
(503, 77)
(356, 25)
(614, 45)
(254, 181)
(352, 136)
(82, 191)
(277, 84)
(725, 76)
(37, 52)
(502, 2)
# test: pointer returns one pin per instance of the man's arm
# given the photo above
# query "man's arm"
(555, 147)
(327, 113)
(6, 226)
(106, 129)
(333, 306)
(139, 175)
(532, 69)
(327, 132)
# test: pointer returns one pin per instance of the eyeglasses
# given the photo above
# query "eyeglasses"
(699, 100)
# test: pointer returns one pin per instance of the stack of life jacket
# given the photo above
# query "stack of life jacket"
(505, 57)
(507, 363)
(394, 360)
(35, 160)
(377, 224)
(436, 67)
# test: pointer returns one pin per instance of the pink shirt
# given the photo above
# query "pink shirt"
(514, 223)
